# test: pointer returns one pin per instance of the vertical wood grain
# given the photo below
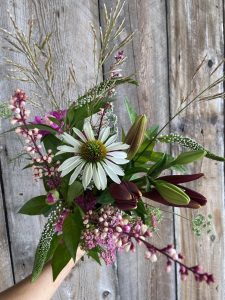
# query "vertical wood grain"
(147, 58)
(6, 273)
(172, 37)
(195, 30)
(72, 41)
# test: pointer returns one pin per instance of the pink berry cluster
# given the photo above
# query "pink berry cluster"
(200, 276)
(172, 256)
(30, 135)
(41, 162)
(20, 116)
(41, 166)
(111, 231)
(17, 105)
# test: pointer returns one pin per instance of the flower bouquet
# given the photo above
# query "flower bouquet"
(100, 182)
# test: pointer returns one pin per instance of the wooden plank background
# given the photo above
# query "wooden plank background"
(172, 37)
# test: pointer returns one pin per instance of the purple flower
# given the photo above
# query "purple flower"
(59, 115)
(87, 201)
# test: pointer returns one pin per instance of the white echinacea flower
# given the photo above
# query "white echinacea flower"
(97, 157)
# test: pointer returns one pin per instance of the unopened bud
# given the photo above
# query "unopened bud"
(135, 136)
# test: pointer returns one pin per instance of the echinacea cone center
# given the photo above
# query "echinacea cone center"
(93, 151)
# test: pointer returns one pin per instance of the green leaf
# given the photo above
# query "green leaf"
(50, 141)
(141, 210)
(188, 143)
(135, 170)
(77, 114)
(188, 157)
(54, 244)
(35, 206)
(54, 120)
(60, 259)
(40, 127)
(171, 193)
(158, 167)
(72, 228)
(74, 190)
(94, 253)
(152, 132)
(131, 111)
(64, 186)
(105, 198)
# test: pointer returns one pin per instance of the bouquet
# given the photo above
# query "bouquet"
(100, 182)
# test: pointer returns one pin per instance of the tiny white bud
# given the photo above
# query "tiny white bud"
(103, 235)
(13, 121)
(148, 254)
(153, 258)
(125, 221)
(17, 110)
(119, 243)
(144, 228)
(119, 229)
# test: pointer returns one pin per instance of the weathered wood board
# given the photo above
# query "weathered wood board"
(147, 59)
(172, 37)
(196, 32)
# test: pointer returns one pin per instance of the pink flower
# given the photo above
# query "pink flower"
(59, 115)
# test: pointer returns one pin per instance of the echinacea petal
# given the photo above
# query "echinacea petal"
(70, 140)
(117, 146)
(117, 154)
(115, 168)
(68, 162)
(102, 176)
(71, 167)
(110, 173)
(88, 131)
(76, 173)
(104, 134)
(96, 178)
(111, 140)
(87, 175)
(59, 153)
(80, 134)
(66, 149)
(118, 161)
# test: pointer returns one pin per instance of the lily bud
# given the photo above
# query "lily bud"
(135, 136)
(126, 195)
(172, 193)
(196, 199)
